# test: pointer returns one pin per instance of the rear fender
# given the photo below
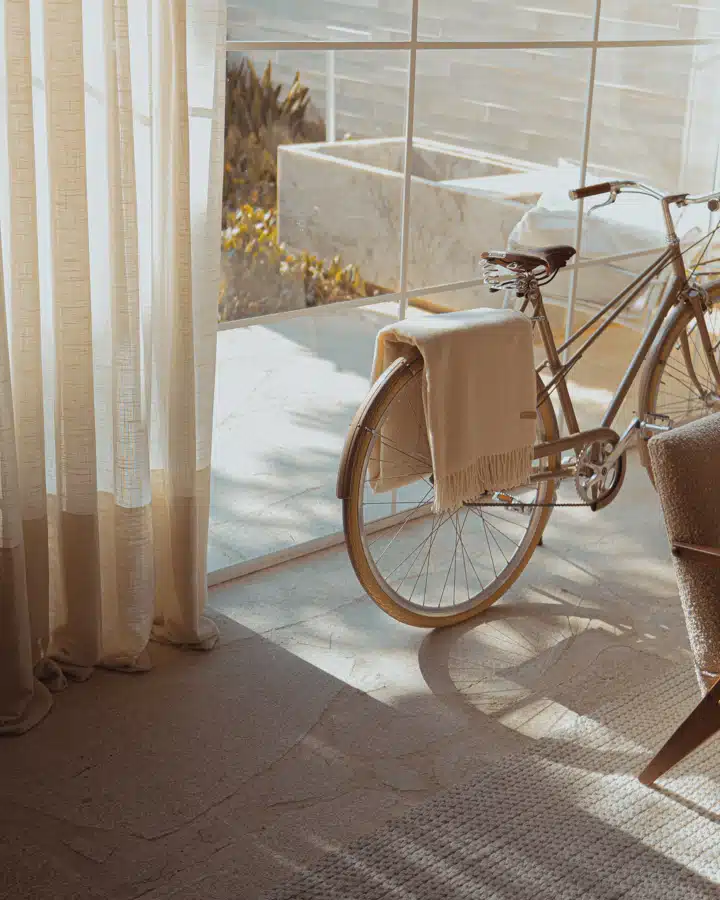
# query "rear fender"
(354, 434)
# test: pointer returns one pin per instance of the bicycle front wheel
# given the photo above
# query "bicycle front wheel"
(678, 384)
(425, 569)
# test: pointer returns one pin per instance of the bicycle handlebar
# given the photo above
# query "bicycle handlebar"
(591, 191)
(616, 187)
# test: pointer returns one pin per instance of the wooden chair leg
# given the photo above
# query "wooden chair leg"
(702, 723)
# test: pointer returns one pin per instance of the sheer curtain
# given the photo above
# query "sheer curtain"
(111, 119)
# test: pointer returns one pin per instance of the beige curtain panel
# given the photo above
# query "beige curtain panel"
(111, 142)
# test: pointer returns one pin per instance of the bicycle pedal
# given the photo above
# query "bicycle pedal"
(513, 503)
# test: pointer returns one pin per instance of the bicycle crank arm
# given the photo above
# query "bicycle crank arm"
(636, 430)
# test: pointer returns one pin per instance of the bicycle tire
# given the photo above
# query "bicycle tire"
(364, 429)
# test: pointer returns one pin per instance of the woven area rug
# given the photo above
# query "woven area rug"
(565, 819)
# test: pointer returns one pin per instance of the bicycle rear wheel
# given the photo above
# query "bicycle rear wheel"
(425, 569)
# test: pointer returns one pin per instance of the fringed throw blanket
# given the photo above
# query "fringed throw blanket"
(470, 418)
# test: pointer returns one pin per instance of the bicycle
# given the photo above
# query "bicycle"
(437, 570)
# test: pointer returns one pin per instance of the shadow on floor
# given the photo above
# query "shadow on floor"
(218, 773)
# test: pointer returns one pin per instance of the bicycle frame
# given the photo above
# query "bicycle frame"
(611, 311)
(676, 292)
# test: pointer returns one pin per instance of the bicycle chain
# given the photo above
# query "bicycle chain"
(528, 505)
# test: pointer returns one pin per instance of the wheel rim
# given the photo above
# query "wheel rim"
(440, 565)
(685, 388)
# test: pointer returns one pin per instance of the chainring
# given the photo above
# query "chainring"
(596, 483)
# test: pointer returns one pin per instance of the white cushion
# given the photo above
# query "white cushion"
(633, 222)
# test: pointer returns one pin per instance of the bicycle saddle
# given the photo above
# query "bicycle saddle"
(550, 258)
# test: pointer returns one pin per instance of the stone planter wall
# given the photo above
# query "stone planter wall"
(346, 198)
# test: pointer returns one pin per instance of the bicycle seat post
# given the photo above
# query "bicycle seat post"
(532, 294)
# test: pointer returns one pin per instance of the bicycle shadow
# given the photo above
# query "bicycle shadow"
(547, 675)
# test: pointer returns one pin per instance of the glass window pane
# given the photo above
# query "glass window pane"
(318, 20)
(495, 132)
(594, 379)
(308, 222)
(658, 20)
(313, 179)
(285, 395)
(656, 116)
(506, 20)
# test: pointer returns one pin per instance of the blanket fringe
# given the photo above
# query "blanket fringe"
(500, 471)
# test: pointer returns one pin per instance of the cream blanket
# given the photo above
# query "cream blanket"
(470, 419)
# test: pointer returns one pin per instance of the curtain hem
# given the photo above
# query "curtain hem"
(37, 708)
(204, 637)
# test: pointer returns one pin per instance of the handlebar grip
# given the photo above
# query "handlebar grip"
(591, 190)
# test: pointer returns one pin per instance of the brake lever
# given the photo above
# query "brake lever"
(612, 197)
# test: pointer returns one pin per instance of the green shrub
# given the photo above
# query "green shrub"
(260, 276)
(258, 118)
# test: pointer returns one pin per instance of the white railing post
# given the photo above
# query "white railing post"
(407, 177)
(330, 97)
(572, 292)
(408, 157)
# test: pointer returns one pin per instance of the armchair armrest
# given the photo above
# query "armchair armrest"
(696, 552)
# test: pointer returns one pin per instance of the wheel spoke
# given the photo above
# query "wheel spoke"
(447, 577)
(418, 548)
(501, 532)
(388, 443)
(700, 351)
(469, 559)
(463, 552)
(504, 521)
(497, 543)
(687, 386)
(406, 520)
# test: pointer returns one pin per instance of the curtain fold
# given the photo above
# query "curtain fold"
(111, 117)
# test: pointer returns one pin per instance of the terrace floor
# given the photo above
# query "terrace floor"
(285, 395)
